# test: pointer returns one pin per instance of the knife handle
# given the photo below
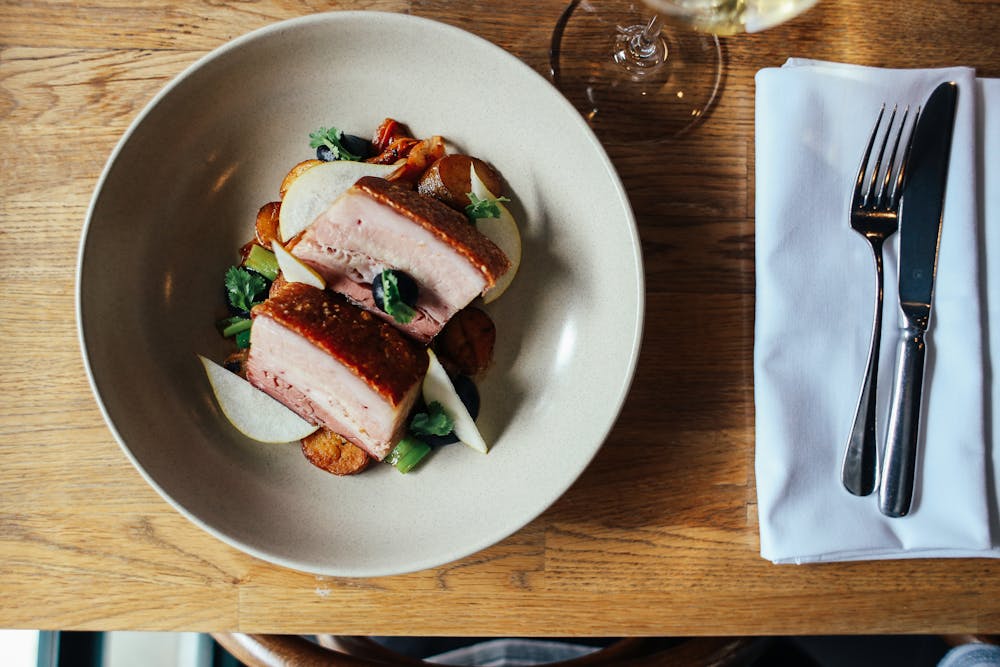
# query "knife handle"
(899, 463)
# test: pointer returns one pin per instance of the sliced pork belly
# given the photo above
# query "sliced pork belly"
(377, 225)
(336, 365)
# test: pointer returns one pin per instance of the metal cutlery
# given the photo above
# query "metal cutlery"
(874, 215)
(919, 238)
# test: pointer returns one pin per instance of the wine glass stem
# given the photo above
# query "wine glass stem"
(647, 43)
(640, 48)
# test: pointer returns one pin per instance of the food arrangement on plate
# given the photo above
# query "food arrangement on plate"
(351, 310)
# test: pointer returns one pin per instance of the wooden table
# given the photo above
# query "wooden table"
(643, 545)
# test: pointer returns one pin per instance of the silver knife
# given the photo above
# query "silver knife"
(919, 236)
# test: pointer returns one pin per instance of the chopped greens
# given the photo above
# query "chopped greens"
(392, 302)
(245, 289)
(483, 207)
(332, 138)
(233, 325)
(433, 422)
(243, 339)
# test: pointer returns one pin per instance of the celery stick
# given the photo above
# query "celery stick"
(262, 261)
(233, 328)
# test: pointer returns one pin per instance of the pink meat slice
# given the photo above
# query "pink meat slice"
(336, 366)
(377, 225)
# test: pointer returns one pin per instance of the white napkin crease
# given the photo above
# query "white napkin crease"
(814, 309)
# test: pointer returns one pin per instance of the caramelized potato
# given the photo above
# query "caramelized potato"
(465, 344)
(420, 158)
(389, 131)
(334, 453)
(267, 224)
(449, 180)
(237, 362)
(294, 173)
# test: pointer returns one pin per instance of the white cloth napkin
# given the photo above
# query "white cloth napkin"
(814, 304)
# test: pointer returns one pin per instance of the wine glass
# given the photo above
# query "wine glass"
(636, 80)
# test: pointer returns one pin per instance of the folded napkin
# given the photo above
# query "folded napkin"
(814, 300)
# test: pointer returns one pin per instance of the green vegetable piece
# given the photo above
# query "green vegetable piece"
(331, 138)
(243, 339)
(402, 448)
(224, 323)
(235, 326)
(263, 261)
(245, 288)
(433, 422)
(415, 456)
(483, 207)
(392, 302)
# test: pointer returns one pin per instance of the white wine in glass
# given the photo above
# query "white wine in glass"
(729, 17)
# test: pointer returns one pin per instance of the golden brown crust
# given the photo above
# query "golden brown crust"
(374, 350)
(267, 224)
(446, 223)
(334, 453)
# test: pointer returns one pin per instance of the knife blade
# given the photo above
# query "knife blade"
(919, 237)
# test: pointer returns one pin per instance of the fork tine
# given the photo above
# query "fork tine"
(890, 166)
(897, 188)
(859, 199)
(878, 162)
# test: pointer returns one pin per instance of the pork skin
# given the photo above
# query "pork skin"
(336, 365)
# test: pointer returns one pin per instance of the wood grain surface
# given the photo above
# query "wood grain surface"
(640, 545)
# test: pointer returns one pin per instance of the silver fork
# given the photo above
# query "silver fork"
(874, 215)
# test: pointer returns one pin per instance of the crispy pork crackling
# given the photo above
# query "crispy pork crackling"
(336, 365)
(377, 225)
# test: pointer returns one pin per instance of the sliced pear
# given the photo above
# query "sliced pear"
(294, 270)
(438, 387)
(253, 413)
(503, 232)
(312, 192)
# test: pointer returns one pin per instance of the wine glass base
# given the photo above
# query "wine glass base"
(631, 100)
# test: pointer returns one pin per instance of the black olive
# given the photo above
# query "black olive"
(357, 145)
(467, 391)
(407, 286)
(325, 153)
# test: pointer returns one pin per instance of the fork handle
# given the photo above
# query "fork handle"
(861, 457)
(896, 490)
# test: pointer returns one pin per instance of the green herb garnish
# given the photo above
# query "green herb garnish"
(392, 302)
(245, 289)
(433, 422)
(331, 137)
(243, 340)
(483, 207)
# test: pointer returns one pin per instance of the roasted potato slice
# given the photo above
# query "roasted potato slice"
(237, 362)
(449, 179)
(333, 453)
(465, 344)
(267, 224)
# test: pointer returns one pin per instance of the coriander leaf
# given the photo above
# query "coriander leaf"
(392, 302)
(331, 138)
(483, 207)
(244, 289)
(433, 422)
